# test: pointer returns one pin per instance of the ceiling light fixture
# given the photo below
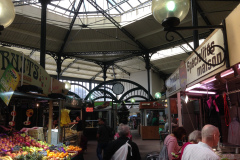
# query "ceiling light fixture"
(194, 86)
(223, 74)
(202, 92)
(170, 13)
(7, 13)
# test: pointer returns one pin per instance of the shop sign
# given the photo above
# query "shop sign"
(89, 109)
(33, 73)
(183, 75)
(8, 83)
(56, 86)
(102, 105)
(196, 68)
(173, 83)
(233, 34)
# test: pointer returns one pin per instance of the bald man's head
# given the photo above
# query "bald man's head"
(210, 134)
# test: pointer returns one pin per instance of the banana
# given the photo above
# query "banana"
(6, 158)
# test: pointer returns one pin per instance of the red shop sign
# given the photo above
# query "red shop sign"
(89, 109)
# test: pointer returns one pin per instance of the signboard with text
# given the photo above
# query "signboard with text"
(89, 109)
(33, 73)
(173, 83)
(8, 83)
(196, 68)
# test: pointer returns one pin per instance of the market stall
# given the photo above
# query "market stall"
(25, 93)
(210, 94)
(152, 119)
(91, 115)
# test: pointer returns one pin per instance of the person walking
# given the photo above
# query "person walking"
(103, 135)
(116, 150)
(203, 150)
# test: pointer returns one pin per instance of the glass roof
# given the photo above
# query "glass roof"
(174, 51)
(124, 12)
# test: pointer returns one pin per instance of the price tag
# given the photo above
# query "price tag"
(59, 144)
(44, 153)
(16, 148)
(67, 143)
(52, 148)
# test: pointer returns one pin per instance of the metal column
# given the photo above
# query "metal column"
(148, 67)
(43, 32)
(195, 23)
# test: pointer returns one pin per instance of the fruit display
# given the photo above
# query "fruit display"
(20, 146)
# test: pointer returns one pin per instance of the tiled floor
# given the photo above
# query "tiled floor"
(145, 147)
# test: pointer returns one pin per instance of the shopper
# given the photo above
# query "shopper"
(174, 124)
(193, 138)
(103, 135)
(79, 128)
(115, 149)
(203, 150)
(116, 136)
(171, 141)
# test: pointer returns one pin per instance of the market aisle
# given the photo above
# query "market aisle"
(145, 146)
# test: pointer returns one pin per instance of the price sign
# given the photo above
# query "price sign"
(52, 148)
(44, 153)
(59, 144)
(67, 143)
(16, 148)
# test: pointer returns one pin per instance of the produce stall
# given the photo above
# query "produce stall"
(20, 146)
(24, 93)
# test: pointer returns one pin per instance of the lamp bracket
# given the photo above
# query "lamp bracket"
(193, 27)
(171, 38)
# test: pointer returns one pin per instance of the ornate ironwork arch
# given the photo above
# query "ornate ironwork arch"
(132, 90)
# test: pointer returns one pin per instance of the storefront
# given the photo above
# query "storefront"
(152, 119)
(209, 94)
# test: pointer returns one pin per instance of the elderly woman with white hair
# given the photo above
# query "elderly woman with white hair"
(116, 136)
(193, 138)
(132, 151)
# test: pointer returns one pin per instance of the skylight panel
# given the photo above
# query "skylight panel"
(126, 6)
(173, 51)
(133, 3)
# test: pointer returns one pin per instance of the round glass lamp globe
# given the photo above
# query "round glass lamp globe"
(67, 86)
(157, 95)
(7, 12)
(170, 12)
(132, 100)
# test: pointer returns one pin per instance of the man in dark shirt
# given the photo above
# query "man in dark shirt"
(103, 137)
(115, 145)
(79, 128)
